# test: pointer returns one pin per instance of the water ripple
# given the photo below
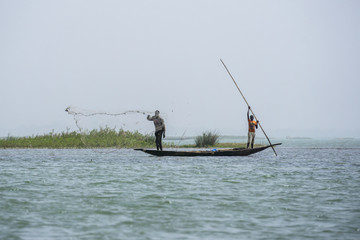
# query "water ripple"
(123, 194)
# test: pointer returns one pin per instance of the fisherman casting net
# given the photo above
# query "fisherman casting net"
(106, 123)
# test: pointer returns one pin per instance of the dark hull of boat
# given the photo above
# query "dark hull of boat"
(209, 153)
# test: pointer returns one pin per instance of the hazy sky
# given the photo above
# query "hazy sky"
(297, 63)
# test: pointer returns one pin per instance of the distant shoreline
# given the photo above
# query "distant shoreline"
(106, 138)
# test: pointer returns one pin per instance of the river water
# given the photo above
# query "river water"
(304, 193)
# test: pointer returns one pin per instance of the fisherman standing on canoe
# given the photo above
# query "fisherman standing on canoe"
(252, 125)
(159, 128)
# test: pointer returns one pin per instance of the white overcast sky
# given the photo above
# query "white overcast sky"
(297, 63)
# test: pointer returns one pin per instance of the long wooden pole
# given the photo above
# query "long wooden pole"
(248, 105)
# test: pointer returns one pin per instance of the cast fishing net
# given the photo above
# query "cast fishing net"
(106, 124)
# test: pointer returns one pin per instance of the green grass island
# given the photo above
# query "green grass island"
(108, 138)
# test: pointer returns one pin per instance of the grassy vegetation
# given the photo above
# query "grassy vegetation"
(108, 138)
(207, 139)
(102, 138)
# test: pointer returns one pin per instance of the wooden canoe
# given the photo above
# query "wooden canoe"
(208, 153)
